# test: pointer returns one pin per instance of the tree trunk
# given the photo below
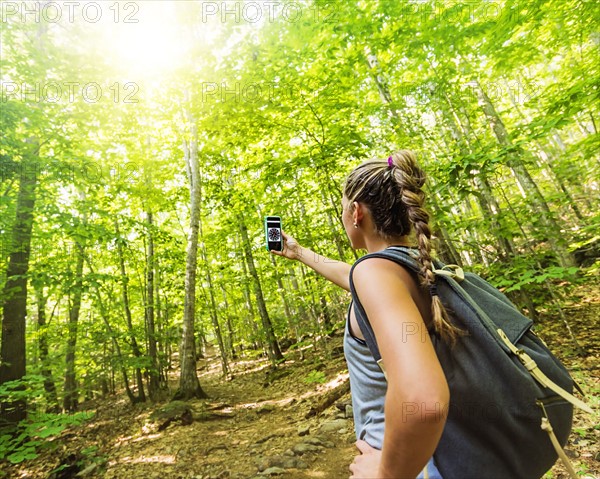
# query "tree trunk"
(382, 84)
(117, 348)
(71, 397)
(281, 289)
(302, 314)
(49, 385)
(329, 398)
(545, 156)
(337, 237)
(213, 307)
(524, 179)
(488, 204)
(153, 370)
(230, 329)
(327, 325)
(447, 251)
(484, 194)
(273, 350)
(162, 328)
(134, 345)
(309, 287)
(14, 307)
(576, 171)
(256, 337)
(189, 386)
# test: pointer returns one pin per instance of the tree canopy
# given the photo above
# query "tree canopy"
(142, 143)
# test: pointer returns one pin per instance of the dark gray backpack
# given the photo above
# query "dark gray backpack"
(506, 387)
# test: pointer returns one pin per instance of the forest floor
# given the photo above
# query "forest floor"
(251, 425)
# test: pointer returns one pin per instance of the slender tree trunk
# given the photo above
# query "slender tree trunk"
(296, 287)
(49, 385)
(133, 399)
(162, 327)
(316, 305)
(14, 306)
(169, 341)
(281, 289)
(312, 308)
(484, 194)
(273, 350)
(125, 292)
(488, 204)
(71, 395)
(576, 172)
(153, 370)
(230, 329)
(524, 179)
(473, 234)
(327, 325)
(104, 381)
(545, 156)
(337, 237)
(189, 386)
(382, 85)
(302, 314)
(213, 306)
(256, 337)
(546, 160)
(447, 251)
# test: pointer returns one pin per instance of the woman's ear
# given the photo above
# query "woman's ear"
(357, 211)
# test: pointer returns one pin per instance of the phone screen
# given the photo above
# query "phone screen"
(273, 233)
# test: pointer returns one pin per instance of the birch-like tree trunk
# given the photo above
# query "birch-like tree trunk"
(273, 350)
(133, 399)
(229, 324)
(189, 386)
(547, 159)
(153, 370)
(257, 341)
(71, 393)
(125, 295)
(382, 84)
(281, 290)
(483, 194)
(213, 307)
(524, 179)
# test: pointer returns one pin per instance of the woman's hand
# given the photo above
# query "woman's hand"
(291, 248)
(366, 465)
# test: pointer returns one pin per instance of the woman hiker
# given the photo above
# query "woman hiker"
(383, 207)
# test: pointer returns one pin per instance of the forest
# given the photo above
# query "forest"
(142, 143)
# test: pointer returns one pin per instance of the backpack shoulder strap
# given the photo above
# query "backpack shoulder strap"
(401, 255)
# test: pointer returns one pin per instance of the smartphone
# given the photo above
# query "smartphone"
(273, 236)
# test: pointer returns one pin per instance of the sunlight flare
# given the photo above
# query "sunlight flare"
(151, 45)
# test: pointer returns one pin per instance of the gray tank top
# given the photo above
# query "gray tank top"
(368, 389)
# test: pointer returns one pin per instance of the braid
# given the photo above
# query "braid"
(393, 192)
(411, 179)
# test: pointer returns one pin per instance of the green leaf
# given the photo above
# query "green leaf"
(50, 431)
(23, 455)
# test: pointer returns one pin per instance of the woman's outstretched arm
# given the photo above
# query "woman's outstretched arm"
(335, 271)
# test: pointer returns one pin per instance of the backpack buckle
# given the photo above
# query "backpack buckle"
(451, 270)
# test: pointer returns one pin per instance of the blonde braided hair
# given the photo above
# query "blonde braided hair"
(393, 192)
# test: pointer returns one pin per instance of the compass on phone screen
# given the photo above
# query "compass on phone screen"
(274, 234)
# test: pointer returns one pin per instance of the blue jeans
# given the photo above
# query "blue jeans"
(432, 471)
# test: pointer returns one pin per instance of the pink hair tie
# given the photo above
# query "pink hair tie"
(390, 162)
